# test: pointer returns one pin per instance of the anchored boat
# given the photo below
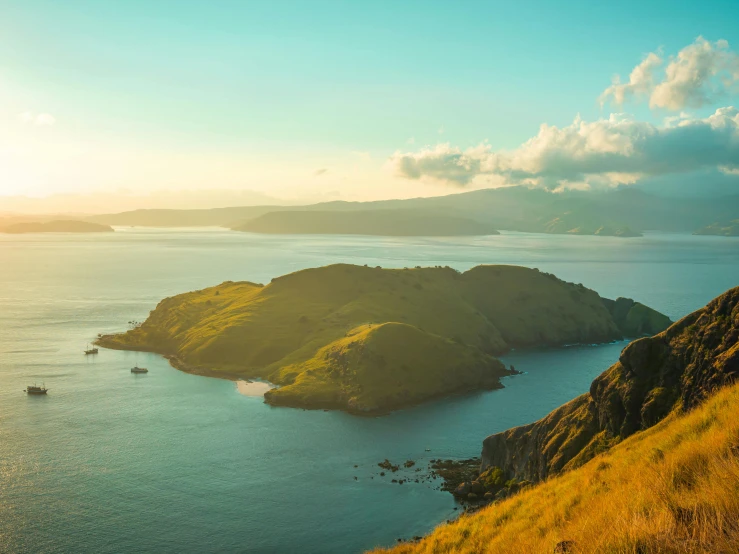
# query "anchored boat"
(137, 369)
(91, 350)
(33, 389)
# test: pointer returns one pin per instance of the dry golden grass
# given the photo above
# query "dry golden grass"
(673, 488)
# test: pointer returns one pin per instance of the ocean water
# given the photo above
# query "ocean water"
(170, 462)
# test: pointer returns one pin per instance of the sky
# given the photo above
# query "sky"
(312, 100)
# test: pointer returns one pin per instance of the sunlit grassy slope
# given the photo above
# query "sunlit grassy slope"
(673, 488)
(370, 339)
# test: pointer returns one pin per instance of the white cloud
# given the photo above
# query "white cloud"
(641, 81)
(699, 75)
(606, 152)
(38, 119)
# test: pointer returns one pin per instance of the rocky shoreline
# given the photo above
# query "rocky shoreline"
(463, 478)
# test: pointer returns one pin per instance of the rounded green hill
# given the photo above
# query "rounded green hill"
(369, 340)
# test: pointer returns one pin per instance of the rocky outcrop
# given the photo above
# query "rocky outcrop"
(634, 319)
(676, 369)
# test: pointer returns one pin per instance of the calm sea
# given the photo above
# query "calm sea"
(169, 462)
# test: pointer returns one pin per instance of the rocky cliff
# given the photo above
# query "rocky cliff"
(675, 369)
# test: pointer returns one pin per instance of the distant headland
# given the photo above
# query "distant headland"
(60, 226)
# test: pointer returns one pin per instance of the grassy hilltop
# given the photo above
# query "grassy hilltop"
(647, 462)
(370, 339)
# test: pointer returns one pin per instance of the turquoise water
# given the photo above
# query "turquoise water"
(169, 462)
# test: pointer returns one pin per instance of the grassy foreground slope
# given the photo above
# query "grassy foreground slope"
(370, 339)
(673, 488)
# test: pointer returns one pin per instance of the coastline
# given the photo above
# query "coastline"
(108, 341)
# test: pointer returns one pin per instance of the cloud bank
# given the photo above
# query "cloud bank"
(607, 152)
(617, 150)
(699, 75)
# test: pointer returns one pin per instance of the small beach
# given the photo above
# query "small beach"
(253, 388)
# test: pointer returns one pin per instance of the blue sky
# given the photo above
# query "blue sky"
(272, 92)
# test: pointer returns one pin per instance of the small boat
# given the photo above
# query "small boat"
(91, 350)
(137, 369)
(33, 389)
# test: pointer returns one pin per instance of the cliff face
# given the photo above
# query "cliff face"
(677, 368)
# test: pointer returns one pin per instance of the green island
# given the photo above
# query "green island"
(60, 226)
(646, 461)
(395, 223)
(370, 340)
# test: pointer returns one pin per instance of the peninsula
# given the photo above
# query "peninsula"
(60, 226)
(370, 340)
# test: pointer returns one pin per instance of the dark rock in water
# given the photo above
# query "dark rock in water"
(513, 371)
(386, 464)
(462, 490)
(477, 487)
(456, 472)
(409, 463)
(676, 369)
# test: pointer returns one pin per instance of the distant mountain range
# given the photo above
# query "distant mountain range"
(396, 223)
(620, 212)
